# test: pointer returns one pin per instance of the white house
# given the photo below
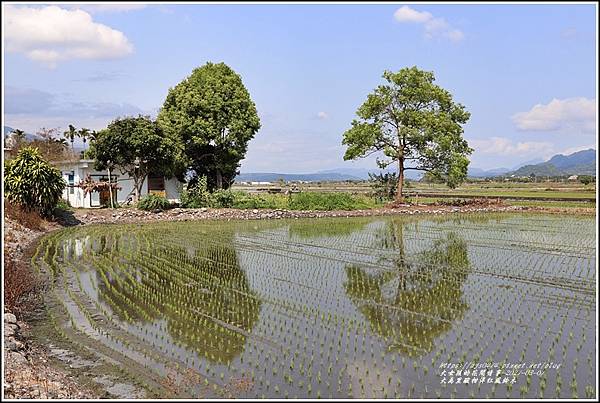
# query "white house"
(74, 172)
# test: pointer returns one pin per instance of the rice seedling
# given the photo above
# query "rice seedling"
(355, 307)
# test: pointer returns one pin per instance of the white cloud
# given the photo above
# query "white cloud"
(504, 146)
(322, 115)
(434, 26)
(52, 34)
(407, 14)
(573, 114)
(107, 8)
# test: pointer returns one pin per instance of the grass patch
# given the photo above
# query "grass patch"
(325, 201)
(330, 201)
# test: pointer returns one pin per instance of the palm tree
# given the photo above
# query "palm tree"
(84, 134)
(19, 134)
(70, 135)
(62, 142)
(14, 140)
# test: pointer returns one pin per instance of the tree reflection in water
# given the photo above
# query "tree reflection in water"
(415, 302)
(212, 313)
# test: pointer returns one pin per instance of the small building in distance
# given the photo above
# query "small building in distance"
(76, 171)
(573, 177)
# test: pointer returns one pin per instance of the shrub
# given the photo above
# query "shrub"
(196, 195)
(19, 284)
(63, 205)
(384, 185)
(28, 218)
(586, 179)
(222, 198)
(153, 202)
(32, 183)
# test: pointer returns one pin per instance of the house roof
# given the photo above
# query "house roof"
(83, 163)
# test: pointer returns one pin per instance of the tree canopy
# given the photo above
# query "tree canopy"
(414, 122)
(211, 112)
(136, 146)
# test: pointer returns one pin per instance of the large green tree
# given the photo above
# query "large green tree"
(212, 113)
(415, 123)
(136, 146)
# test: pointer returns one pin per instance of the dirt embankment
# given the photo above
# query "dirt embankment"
(28, 372)
(179, 214)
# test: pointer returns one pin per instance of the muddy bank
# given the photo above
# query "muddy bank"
(28, 372)
(35, 367)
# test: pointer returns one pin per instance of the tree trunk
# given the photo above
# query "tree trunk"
(399, 197)
(138, 182)
(110, 188)
(219, 179)
(402, 265)
(136, 188)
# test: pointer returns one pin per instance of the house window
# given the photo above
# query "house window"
(71, 180)
(156, 184)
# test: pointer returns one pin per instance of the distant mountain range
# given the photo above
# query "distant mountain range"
(482, 173)
(579, 163)
(309, 177)
(330, 175)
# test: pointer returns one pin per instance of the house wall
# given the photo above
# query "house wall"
(172, 188)
(76, 198)
(73, 195)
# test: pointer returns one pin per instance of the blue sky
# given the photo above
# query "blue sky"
(527, 73)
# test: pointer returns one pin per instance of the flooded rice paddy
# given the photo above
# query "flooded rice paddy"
(388, 307)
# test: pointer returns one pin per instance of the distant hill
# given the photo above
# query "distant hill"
(274, 177)
(528, 162)
(482, 173)
(331, 175)
(579, 163)
(490, 173)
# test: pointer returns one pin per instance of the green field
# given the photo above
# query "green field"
(552, 194)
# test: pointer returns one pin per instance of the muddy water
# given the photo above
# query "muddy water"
(384, 307)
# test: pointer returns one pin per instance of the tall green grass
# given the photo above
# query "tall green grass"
(330, 201)
(300, 201)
